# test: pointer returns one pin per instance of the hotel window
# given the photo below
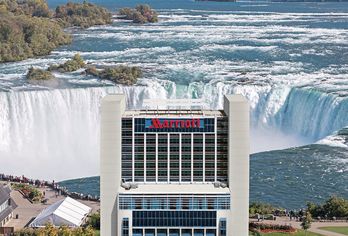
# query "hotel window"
(174, 158)
(139, 157)
(186, 232)
(162, 157)
(210, 157)
(150, 158)
(186, 158)
(210, 232)
(174, 232)
(150, 232)
(167, 202)
(198, 157)
(161, 232)
(127, 123)
(222, 151)
(199, 232)
(222, 227)
(127, 149)
(174, 218)
(125, 227)
(137, 232)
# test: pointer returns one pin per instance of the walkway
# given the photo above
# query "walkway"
(314, 227)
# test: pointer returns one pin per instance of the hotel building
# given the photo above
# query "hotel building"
(172, 172)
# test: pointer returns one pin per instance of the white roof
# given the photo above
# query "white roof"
(176, 189)
(68, 212)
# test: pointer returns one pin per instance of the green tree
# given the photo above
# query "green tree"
(141, 14)
(38, 74)
(83, 15)
(336, 207)
(94, 220)
(119, 74)
(71, 65)
(51, 230)
(333, 207)
(261, 208)
(22, 37)
(65, 231)
(306, 221)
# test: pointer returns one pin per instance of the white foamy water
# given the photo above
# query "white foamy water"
(61, 127)
(292, 67)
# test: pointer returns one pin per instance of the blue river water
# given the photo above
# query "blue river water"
(288, 178)
(289, 59)
(255, 44)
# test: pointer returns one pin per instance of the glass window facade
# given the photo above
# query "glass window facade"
(174, 232)
(125, 227)
(127, 145)
(174, 165)
(168, 202)
(180, 156)
(174, 218)
(222, 227)
(222, 149)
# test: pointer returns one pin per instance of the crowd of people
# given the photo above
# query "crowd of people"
(59, 190)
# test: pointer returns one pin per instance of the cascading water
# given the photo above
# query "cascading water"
(41, 129)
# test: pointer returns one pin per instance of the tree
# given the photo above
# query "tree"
(336, 207)
(38, 74)
(94, 220)
(71, 65)
(141, 14)
(83, 15)
(333, 207)
(306, 221)
(261, 208)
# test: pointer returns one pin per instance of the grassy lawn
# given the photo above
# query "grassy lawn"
(336, 229)
(97, 233)
(298, 233)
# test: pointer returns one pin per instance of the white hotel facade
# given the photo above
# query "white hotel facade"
(174, 172)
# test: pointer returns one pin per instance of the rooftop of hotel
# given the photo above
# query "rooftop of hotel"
(174, 113)
(174, 108)
(176, 189)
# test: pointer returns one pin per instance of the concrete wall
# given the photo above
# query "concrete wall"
(236, 108)
(112, 108)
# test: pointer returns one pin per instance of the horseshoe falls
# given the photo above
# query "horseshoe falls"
(50, 127)
(290, 61)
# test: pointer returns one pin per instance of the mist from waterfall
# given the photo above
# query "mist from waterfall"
(55, 133)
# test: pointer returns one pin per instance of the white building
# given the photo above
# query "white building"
(174, 172)
(7, 205)
(66, 212)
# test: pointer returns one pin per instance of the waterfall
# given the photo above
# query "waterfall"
(54, 133)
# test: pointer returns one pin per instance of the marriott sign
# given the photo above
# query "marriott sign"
(173, 125)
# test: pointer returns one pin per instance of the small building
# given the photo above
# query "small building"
(67, 212)
(7, 205)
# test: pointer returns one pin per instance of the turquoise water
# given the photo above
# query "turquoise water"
(289, 59)
(287, 178)
(302, 45)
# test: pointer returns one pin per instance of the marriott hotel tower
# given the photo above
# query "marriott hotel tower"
(174, 172)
